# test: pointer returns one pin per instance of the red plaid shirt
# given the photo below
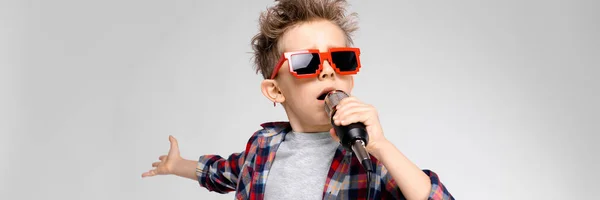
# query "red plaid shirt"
(246, 172)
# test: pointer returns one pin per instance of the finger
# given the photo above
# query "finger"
(349, 100)
(174, 146)
(349, 116)
(156, 164)
(348, 108)
(348, 104)
(334, 135)
(162, 158)
(148, 174)
(354, 117)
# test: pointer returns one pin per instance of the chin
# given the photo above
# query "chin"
(323, 120)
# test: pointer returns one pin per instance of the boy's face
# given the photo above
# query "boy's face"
(305, 111)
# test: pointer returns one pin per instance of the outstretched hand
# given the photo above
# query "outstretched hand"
(167, 163)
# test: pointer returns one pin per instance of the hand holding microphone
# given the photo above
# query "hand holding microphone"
(355, 123)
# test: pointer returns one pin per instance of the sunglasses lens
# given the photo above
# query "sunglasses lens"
(345, 60)
(305, 63)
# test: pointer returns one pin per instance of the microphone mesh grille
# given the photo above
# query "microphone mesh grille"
(332, 99)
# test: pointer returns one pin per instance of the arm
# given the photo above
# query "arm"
(218, 174)
(186, 169)
(211, 171)
(413, 182)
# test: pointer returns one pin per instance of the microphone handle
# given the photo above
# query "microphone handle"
(361, 153)
(348, 134)
(355, 137)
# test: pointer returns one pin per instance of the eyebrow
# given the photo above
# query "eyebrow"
(314, 47)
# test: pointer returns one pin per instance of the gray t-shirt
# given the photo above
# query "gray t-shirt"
(301, 165)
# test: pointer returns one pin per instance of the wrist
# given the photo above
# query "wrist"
(181, 167)
(378, 149)
(185, 168)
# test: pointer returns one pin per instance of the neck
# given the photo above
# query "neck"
(299, 125)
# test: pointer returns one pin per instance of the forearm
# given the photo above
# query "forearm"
(411, 180)
(186, 168)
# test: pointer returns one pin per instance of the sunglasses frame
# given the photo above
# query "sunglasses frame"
(322, 56)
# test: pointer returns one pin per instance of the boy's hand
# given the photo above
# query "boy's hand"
(351, 110)
(167, 163)
(413, 183)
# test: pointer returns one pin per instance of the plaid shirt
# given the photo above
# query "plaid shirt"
(246, 172)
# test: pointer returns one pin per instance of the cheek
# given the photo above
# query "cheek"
(301, 89)
(299, 95)
(348, 83)
(288, 84)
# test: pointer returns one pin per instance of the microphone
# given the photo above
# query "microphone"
(353, 136)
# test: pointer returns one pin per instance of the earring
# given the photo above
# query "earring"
(275, 102)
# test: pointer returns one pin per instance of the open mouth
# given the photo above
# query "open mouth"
(324, 94)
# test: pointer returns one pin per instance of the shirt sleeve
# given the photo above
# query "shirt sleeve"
(391, 190)
(438, 191)
(218, 174)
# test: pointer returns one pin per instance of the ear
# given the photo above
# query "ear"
(270, 89)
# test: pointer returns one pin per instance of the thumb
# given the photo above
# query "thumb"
(333, 135)
(174, 146)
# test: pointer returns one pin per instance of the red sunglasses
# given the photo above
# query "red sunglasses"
(309, 63)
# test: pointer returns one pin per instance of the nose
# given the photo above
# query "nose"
(328, 71)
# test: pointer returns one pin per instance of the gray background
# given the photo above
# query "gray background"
(499, 98)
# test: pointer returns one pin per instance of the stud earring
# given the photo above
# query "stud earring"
(275, 102)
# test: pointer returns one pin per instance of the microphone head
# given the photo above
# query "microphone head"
(332, 99)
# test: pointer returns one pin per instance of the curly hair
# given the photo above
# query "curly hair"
(285, 14)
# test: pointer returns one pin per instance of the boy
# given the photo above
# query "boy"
(302, 51)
